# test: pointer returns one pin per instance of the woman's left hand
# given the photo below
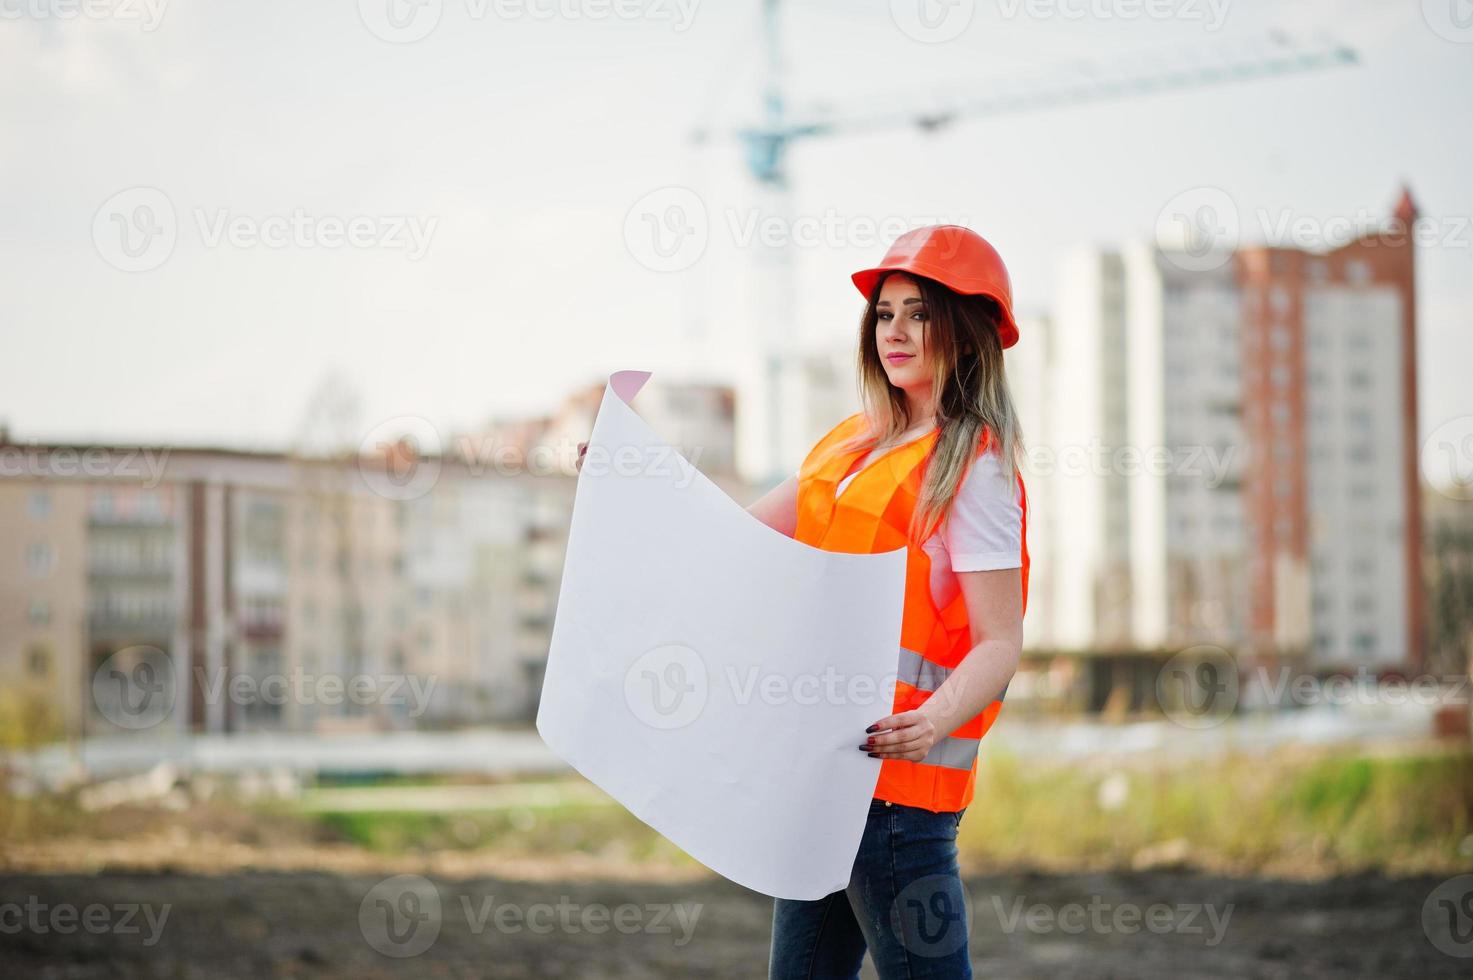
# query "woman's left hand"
(908, 735)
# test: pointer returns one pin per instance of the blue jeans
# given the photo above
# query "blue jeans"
(904, 903)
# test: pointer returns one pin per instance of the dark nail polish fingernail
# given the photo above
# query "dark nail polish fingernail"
(873, 728)
(874, 755)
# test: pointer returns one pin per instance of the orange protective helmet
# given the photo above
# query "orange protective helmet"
(956, 257)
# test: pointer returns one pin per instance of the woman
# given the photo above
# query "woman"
(931, 459)
(929, 465)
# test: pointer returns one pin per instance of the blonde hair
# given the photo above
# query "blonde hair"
(972, 398)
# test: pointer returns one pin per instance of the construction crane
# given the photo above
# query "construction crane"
(766, 145)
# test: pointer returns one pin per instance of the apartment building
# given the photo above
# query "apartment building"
(192, 589)
(1243, 434)
(251, 589)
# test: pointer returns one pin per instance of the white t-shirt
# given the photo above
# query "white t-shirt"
(983, 531)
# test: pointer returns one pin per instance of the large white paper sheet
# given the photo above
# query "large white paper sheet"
(713, 675)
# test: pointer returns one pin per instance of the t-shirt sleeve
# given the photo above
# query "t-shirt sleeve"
(984, 528)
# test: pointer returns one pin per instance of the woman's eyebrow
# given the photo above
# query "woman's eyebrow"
(904, 302)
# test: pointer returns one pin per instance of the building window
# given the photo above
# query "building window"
(1357, 272)
(149, 505)
(1279, 300)
(38, 613)
(38, 660)
(1318, 270)
(38, 504)
(40, 558)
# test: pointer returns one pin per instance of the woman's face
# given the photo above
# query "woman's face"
(900, 333)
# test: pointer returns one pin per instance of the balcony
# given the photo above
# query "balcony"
(132, 623)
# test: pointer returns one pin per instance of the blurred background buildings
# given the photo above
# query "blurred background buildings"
(1275, 389)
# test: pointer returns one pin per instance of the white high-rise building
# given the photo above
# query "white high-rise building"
(1229, 453)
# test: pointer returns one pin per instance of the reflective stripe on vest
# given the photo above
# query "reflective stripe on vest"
(872, 514)
(920, 673)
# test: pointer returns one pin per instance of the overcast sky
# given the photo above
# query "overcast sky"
(493, 175)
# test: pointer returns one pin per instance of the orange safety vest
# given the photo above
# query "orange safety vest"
(871, 515)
